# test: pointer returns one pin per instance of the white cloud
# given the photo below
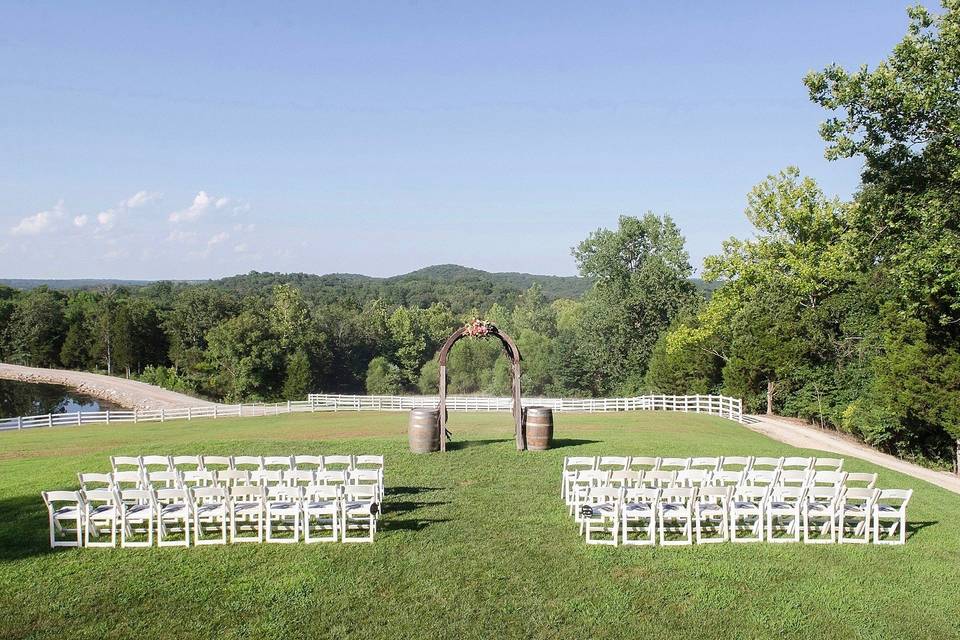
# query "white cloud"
(182, 237)
(40, 221)
(141, 198)
(240, 247)
(217, 239)
(81, 220)
(107, 218)
(202, 203)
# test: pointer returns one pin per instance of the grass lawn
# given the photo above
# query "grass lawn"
(475, 544)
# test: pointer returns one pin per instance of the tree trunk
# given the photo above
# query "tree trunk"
(771, 385)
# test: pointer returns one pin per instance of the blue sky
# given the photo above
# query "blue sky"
(193, 140)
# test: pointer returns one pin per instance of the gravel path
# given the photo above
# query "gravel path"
(813, 438)
(126, 393)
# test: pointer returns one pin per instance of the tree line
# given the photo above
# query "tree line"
(845, 313)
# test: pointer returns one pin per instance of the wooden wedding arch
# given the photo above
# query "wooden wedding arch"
(480, 328)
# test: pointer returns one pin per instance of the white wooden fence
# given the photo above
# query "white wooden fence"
(731, 408)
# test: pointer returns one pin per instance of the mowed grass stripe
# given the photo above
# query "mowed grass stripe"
(476, 543)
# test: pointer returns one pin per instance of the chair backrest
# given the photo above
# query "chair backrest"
(299, 477)
(218, 463)
(249, 463)
(171, 496)
(591, 478)
(862, 480)
(780, 493)
(714, 495)
(186, 463)
(707, 464)
(860, 496)
(53, 498)
(233, 477)
(308, 462)
(692, 477)
(164, 479)
(796, 462)
(360, 492)
(278, 462)
(794, 477)
(766, 464)
(136, 496)
(321, 492)
(648, 495)
(90, 481)
(368, 461)
(761, 477)
(625, 478)
(726, 478)
(756, 494)
(823, 493)
(675, 464)
(579, 463)
(599, 495)
(643, 463)
(247, 492)
(363, 476)
(283, 493)
(209, 494)
(199, 478)
(735, 463)
(897, 498)
(331, 477)
(125, 463)
(266, 477)
(833, 478)
(128, 480)
(659, 478)
(677, 495)
(337, 462)
(828, 464)
(613, 463)
(156, 463)
(101, 496)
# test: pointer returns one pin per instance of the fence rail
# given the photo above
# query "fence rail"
(731, 408)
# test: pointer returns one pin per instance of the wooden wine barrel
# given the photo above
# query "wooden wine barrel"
(539, 427)
(424, 432)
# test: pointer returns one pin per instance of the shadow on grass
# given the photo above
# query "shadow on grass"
(914, 527)
(25, 531)
(408, 524)
(409, 491)
(456, 445)
(560, 443)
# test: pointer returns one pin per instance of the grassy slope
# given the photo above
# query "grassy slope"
(476, 544)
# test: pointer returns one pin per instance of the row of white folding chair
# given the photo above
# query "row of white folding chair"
(250, 463)
(265, 510)
(230, 477)
(822, 514)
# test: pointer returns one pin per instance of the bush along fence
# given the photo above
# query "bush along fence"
(723, 406)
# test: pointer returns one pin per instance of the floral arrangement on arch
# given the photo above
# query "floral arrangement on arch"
(478, 328)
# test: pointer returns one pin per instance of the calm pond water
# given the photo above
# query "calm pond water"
(28, 399)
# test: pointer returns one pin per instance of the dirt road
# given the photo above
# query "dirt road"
(120, 391)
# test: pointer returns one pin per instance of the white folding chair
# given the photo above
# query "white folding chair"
(308, 463)
(360, 512)
(156, 463)
(726, 478)
(572, 465)
(266, 477)
(625, 479)
(766, 464)
(64, 507)
(711, 508)
(283, 463)
(820, 514)
(856, 508)
(747, 510)
(735, 463)
(368, 477)
(784, 507)
(332, 478)
(247, 463)
(600, 515)
(198, 479)
(582, 482)
(321, 512)
(232, 478)
(164, 479)
(173, 516)
(246, 510)
(186, 463)
(797, 463)
(638, 514)
(761, 478)
(102, 512)
(861, 480)
(707, 464)
(828, 464)
(211, 510)
(613, 463)
(125, 463)
(829, 478)
(337, 463)
(891, 507)
(692, 478)
(368, 462)
(673, 464)
(644, 463)
(137, 507)
(675, 511)
(91, 481)
(659, 479)
(794, 478)
(283, 509)
(299, 478)
(216, 463)
(121, 480)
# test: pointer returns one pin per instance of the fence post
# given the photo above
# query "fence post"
(108, 416)
(161, 414)
(288, 406)
(134, 416)
(79, 421)
(240, 410)
(189, 413)
(19, 423)
(214, 411)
